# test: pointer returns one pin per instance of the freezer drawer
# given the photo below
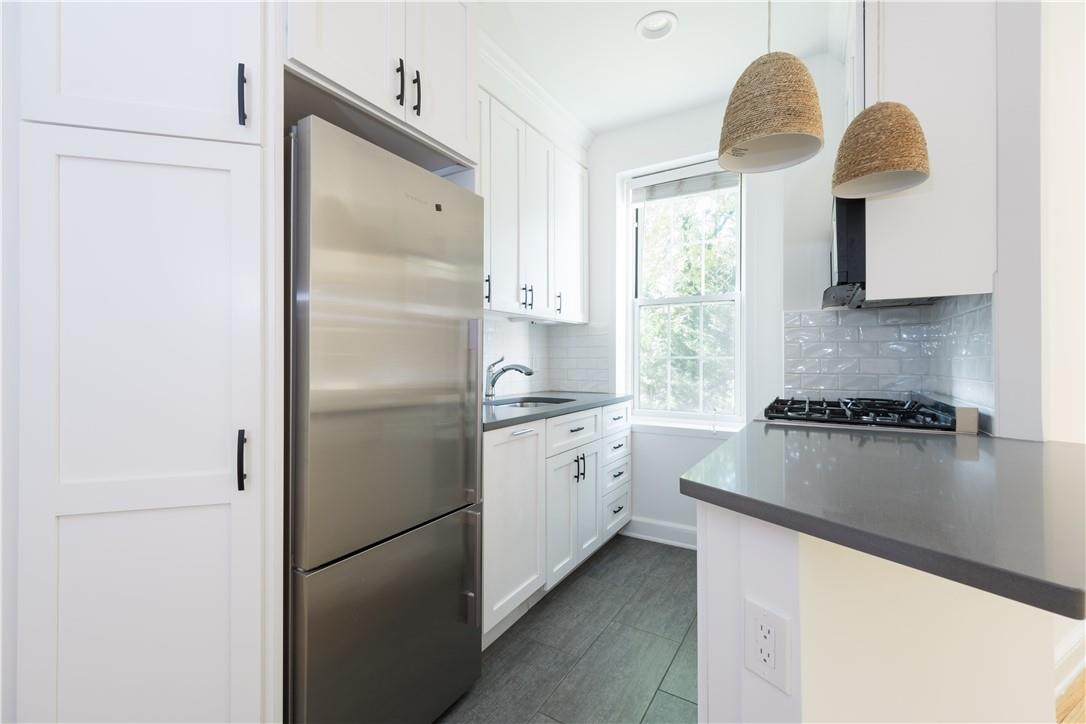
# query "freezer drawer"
(390, 634)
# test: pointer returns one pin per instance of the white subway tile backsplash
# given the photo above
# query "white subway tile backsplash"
(945, 348)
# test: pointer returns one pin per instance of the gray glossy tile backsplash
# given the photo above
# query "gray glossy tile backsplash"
(945, 348)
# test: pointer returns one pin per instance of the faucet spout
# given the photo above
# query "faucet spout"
(492, 377)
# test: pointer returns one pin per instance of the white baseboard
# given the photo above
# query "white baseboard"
(662, 531)
(1070, 665)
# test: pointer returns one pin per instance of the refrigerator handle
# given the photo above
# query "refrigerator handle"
(474, 453)
(473, 597)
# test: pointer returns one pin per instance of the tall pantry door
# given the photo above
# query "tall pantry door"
(139, 557)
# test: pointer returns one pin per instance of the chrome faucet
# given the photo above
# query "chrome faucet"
(492, 377)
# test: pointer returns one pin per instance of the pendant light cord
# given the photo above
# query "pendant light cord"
(769, 26)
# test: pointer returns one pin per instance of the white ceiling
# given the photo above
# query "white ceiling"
(590, 58)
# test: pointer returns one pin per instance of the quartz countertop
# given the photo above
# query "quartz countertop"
(499, 416)
(1005, 516)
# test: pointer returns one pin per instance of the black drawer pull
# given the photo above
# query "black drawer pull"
(400, 70)
(242, 116)
(584, 468)
(487, 295)
(619, 474)
(417, 108)
(617, 510)
(577, 470)
(616, 447)
(616, 419)
(241, 460)
(576, 429)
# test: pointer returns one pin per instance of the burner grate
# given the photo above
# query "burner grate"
(861, 411)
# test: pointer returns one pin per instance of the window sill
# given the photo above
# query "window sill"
(685, 428)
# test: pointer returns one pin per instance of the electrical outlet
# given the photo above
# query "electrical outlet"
(766, 645)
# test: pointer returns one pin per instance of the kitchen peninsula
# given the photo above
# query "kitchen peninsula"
(857, 543)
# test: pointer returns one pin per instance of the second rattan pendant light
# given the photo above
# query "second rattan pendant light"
(883, 149)
(773, 119)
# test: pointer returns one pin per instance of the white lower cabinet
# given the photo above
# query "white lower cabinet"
(617, 510)
(514, 511)
(573, 509)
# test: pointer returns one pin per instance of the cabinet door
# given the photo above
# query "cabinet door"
(441, 57)
(168, 68)
(571, 224)
(482, 187)
(938, 238)
(140, 558)
(563, 478)
(588, 502)
(505, 174)
(535, 222)
(358, 45)
(513, 520)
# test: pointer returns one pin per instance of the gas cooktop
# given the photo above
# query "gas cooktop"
(913, 414)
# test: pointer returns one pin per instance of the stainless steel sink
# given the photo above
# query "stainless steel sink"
(527, 401)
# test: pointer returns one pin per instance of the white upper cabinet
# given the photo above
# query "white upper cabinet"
(413, 61)
(358, 45)
(140, 545)
(441, 59)
(179, 69)
(938, 238)
(570, 227)
(536, 224)
(504, 178)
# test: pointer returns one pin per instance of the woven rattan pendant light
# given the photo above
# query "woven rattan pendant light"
(773, 119)
(883, 149)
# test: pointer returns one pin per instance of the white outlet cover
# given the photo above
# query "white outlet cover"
(765, 644)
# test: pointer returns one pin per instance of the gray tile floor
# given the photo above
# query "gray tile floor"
(614, 643)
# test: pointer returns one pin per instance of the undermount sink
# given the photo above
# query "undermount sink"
(527, 401)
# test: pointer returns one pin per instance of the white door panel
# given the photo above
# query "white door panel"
(588, 502)
(139, 559)
(562, 479)
(167, 68)
(358, 45)
(571, 195)
(441, 53)
(505, 177)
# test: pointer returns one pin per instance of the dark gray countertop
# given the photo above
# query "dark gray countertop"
(495, 416)
(1005, 516)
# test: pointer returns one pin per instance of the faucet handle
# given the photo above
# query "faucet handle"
(495, 363)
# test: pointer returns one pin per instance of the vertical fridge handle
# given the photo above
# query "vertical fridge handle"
(473, 598)
(473, 454)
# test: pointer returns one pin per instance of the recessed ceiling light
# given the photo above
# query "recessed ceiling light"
(657, 25)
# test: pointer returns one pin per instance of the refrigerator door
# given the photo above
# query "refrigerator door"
(390, 634)
(385, 409)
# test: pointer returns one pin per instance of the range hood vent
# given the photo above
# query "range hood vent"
(849, 290)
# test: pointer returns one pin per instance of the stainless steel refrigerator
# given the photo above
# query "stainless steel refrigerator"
(383, 433)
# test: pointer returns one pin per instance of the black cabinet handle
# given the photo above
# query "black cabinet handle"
(241, 460)
(577, 470)
(584, 468)
(616, 419)
(619, 474)
(616, 447)
(576, 429)
(525, 290)
(617, 510)
(531, 304)
(417, 108)
(559, 310)
(400, 70)
(241, 95)
(487, 282)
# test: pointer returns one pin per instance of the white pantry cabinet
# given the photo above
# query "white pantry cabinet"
(140, 548)
(514, 514)
(415, 62)
(939, 59)
(570, 236)
(504, 177)
(180, 69)
(536, 220)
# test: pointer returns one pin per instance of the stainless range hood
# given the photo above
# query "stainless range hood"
(849, 290)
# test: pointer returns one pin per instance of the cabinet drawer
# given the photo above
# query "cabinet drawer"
(616, 417)
(614, 476)
(572, 430)
(616, 510)
(615, 447)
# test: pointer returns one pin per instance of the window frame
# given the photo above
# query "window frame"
(637, 303)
